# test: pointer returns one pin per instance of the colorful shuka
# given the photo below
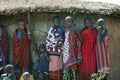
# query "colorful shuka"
(88, 50)
(71, 55)
(102, 54)
(4, 46)
(54, 42)
(21, 50)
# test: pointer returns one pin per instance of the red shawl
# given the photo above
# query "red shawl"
(21, 51)
(88, 64)
(4, 46)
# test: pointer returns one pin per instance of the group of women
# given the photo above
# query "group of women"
(76, 54)
(73, 54)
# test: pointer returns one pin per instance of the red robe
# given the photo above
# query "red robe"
(4, 46)
(21, 51)
(75, 49)
(88, 51)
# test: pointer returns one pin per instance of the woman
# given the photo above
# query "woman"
(70, 52)
(88, 64)
(54, 42)
(102, 54)
(21, 47)
(4, 46)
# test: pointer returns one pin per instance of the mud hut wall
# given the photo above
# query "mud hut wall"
(40, 23)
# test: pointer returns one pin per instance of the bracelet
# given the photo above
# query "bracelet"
(28, 32)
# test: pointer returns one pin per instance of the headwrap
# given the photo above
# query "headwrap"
(101, 31)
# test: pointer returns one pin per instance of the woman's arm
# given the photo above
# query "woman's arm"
(28, 31)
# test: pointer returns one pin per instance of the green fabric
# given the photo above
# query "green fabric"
(70, 74)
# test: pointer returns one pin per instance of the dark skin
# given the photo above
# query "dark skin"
(69, 23)
(21, 26)
(56, 22)
(88, 23)
(42, 50)
(101, 23)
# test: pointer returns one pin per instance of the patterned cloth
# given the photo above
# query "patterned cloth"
(70, 74)
(102, 54)
(4, 46)
(70, 53)
(55, 75)
(54, 40)
(87, 77)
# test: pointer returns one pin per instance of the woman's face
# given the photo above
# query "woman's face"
(101, 23)
(42, 49)
(69, 22)
(88, 23)
(56, 22)
(22, 25)
(18, 71)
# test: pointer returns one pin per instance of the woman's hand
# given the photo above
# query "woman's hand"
(28, 27)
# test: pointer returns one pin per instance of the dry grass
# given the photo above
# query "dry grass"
(16, 6)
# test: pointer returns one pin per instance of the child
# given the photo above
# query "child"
(9, 72)
(26, 76)
(18, 71)
(43, 64)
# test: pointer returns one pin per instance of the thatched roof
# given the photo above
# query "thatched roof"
(14, 6)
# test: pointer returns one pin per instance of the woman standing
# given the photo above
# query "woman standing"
(4, 46)
(88, 51)
(70, 52)
(102, 54)
(54, 42)
(21, 47)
